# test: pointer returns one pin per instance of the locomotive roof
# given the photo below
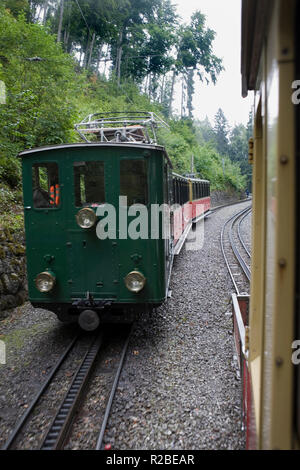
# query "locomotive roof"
(121, 127)
(255, 20)
(195, 180)
(37, 150)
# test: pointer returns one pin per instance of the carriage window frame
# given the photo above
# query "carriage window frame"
(79, 164)
(45, 164)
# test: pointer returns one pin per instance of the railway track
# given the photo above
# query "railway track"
(235, 251)
(57, 434)
(240, 233)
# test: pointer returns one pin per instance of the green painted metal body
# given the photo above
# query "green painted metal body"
(83, 263)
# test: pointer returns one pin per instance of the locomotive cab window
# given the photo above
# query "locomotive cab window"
(134, 181)
(89, 183)
(45, 186)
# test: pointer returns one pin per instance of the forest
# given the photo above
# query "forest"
(61, 60)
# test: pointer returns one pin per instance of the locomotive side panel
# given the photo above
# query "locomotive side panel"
(268, 68)
(84, 265)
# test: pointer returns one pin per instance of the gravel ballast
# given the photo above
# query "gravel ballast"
(179, 387)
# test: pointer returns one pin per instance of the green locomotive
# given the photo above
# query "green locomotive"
(68, 190)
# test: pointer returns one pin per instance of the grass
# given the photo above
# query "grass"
(11, 209)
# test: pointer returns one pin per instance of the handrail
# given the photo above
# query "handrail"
(240, 324)
(131, 126)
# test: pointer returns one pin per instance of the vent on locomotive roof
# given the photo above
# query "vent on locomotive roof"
(121, 127)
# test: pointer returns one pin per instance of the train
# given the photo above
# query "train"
(104, 219)
(269, 338)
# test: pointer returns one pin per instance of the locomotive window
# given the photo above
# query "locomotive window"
(186, 192)
(174, 190)
(45, 186)
(89, 183)
(133, 181)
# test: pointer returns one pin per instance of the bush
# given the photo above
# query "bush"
(46, 97)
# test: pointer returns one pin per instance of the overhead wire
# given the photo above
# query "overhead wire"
(83, 16)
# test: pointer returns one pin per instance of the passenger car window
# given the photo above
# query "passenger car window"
(45, 186)
(133, 181)
(89, 183)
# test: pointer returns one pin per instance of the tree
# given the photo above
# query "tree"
(250, 126)
(38, 109)
(145, 38)
(238, 151)
(204, 131)
(221, 130)
(195, 54)
(17, 6)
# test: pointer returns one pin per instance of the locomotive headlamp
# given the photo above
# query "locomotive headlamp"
(86, 218)
(45, 281)
(135, 281)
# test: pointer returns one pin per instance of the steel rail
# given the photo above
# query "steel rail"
(36, 398)
(113, 392)
(235, 216)
(240, 235)
(236, 252)
(61, 424)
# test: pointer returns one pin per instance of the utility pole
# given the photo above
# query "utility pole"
(192, 164)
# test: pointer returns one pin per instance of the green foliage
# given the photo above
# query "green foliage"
(40, 82)
(9, 198)
(11, 215)
(47, 93)
(183, 142)
(231, 144)
(238, 151)
(195, 49)
(17, 6)
(221, 130)
(12, 222)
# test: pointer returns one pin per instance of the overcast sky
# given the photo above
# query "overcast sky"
(224, 17)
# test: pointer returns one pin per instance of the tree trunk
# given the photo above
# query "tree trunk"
(45, 11)
(67, 31)
(146, 84)
(182, 98)
(190, 92)
(150, 86)
(99, 58)
(80, 57)
(172, 93)
(119, 57)
(66, 38)
(86, 52)
(91, 50)
(162, 90)
(60, 20)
